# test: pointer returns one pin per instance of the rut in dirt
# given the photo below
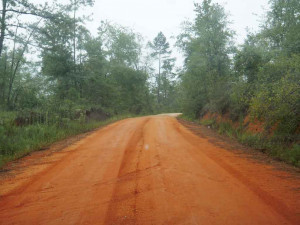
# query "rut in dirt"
(149, 170)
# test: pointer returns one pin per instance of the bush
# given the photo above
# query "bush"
(276, 101)
(16, 141)
(293, 155)
(210, 122)
(271, 145)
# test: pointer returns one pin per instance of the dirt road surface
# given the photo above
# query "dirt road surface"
(148, 170)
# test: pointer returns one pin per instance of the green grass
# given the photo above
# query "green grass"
(273, 146)
(16, 142)
(186, 117)
(210, 122)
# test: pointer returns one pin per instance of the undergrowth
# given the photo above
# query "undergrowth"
(15, 142)
(274, 146)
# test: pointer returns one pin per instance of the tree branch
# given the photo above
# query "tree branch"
(29, 13)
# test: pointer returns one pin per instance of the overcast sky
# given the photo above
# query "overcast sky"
(148, 17)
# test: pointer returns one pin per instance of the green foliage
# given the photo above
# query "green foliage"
(187, 117)
(160, 46)
(252, 140)
(272, 146)
(78, 78)
(277, 100)
(108, 73)
(132, 90)
(16, 141)
(7, 117)
(249, 59)
(282, 26)
(261, 80)
(291, 155)
(206, 44)
(165, 86)
(54, 103)
(240, 99)
(210, 122)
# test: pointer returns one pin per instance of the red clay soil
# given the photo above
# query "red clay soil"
(254, 126)
(148, 170)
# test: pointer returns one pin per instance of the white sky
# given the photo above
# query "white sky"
(148, 17)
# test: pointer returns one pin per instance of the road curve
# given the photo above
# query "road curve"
(150, 170)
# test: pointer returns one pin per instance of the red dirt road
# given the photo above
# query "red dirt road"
(149, 170)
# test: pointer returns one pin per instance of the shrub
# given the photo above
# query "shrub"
(16, 141)
(277, 100)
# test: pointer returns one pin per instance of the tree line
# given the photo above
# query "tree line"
(50, 63)
(260, 78)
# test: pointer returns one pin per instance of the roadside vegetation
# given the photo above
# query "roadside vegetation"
(271, 145)
(57, 79)
(18, 141)
(258, 79)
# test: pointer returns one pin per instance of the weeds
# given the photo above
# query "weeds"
(186, 117)
(211, 122)
(16, 142)
(274, 146)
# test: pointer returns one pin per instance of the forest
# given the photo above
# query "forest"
(57, 79)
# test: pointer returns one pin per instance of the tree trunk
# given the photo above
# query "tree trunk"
(3, 25)
(74, 33)
(158, 80)
(4, 78)
(15, 70)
